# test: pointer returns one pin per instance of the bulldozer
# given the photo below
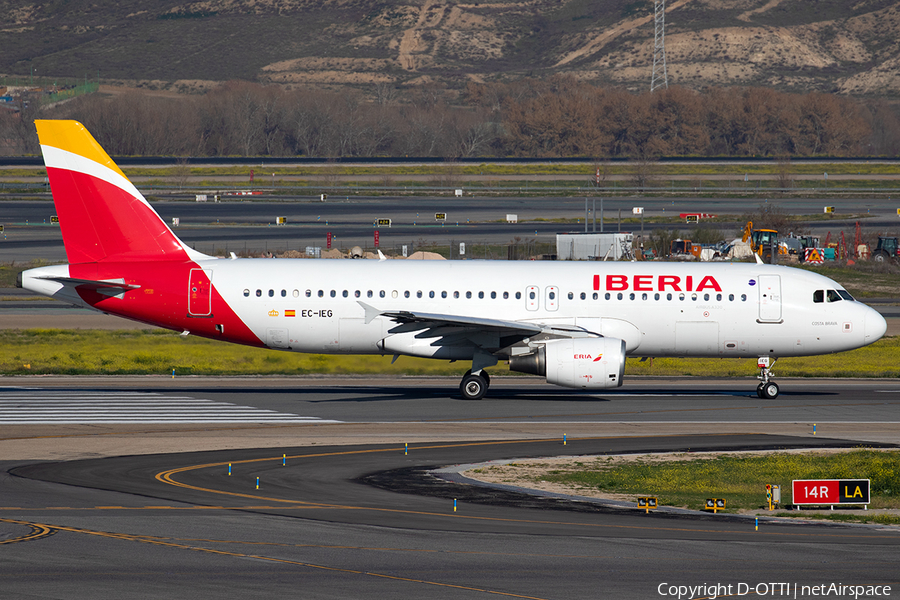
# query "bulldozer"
(762, 241)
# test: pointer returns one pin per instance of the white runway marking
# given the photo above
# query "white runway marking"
(19, 407)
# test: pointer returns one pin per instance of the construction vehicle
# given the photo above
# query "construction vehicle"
(685, 249)
(808, 243)
(887, 249)
(762, 241)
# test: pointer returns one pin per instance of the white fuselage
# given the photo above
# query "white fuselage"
(659, 309)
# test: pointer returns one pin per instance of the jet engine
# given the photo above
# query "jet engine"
(578, 363)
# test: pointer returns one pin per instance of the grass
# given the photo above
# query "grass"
(876, 360)
(586, 169)
(864, 279)
(146, 352)
(739, 479)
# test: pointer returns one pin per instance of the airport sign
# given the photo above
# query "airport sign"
(830, 491)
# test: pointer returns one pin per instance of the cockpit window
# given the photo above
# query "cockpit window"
(845, 294)
(833, 296)
(819, 296)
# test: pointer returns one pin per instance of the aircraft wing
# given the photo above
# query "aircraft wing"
(459, 330)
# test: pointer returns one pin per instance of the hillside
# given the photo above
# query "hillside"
(792, 45)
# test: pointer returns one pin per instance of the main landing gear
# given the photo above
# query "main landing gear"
(767, 390)
(474, 385)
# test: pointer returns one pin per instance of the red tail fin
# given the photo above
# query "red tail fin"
(102, 215)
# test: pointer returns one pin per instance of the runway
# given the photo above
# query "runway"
(343, 511)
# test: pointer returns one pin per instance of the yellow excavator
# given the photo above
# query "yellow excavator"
(762, 240)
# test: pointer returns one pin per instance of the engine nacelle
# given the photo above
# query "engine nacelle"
(577, 363)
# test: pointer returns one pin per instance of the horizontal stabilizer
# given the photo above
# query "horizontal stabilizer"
(109, 287)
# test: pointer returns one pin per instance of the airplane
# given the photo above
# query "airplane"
(573, 323)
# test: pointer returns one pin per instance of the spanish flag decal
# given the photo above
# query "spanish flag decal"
(290, 313)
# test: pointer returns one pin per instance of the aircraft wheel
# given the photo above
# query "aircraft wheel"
(473, 387)
(759, 390)
(769, 390)
(487, 378)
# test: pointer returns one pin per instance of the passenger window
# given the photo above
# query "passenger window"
(246, 293)
(481, 295)
(718, 297)
(258, 293)
(819, 296)
(395, 294)
(743, 297)
(345, 293)
(553, 295)
(321, 293)
(419, 294)
(456, 294)
(833, 296)
(296, 293)
(531, 295)
(308, 293)
(406, 294)
(333, 293)
(431, 294)
(284, 293)
(607, 296)
(506, 295)
(493, 295)
(572, 296)
(619, 296)
(656, 296)
(369, 294)
(443, 294)
(469, 295)
(381, 294)
(669, 296)
(271, 293)
(681, 297)
(518, 295)
(583, 296)
(631, 296)
(357, 293)
(693, 297)
(731, 297)
(596, 296)
(644, 296)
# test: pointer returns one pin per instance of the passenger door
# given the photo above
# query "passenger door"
(200, 293)
(770, 298)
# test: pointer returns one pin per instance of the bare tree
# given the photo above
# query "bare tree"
(783, 172)
(644, 171)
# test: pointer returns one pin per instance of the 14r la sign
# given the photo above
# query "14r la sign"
(830, 491)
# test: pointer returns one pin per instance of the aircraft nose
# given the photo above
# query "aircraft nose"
(876, 326)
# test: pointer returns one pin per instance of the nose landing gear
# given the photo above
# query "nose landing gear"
(767, 390)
